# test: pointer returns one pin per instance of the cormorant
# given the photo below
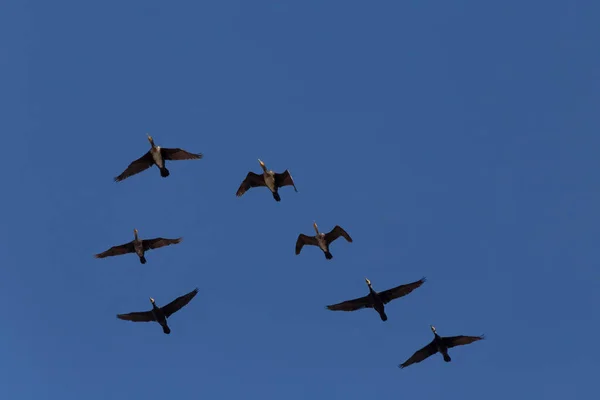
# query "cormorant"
(160, 314)
(156, 156)
(270, 179)
(322, 240)
(138, 246)
(377, 300)
(439, 344)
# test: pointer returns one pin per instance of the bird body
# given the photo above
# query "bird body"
(138, 246)
(377, 300)
(160, 314)
(156, 156)
(378, 304)
(270, 179)
(321, 240)
(440, 345)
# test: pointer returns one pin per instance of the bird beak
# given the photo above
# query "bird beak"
(135, 231)
(262, 164)
(368, 281)
(151, 300)
(149, 138)
(432, 328)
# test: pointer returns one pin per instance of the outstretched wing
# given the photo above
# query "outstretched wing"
(420, 355)
(252, 180)
(117, 250)
(284, 179)
(352, 305)
(159, 242)
(142, 316)
(388, 295)
(179, 154)
(137, 166)
(305, 240)
(461, 340)
(178, 303)
(335, 233)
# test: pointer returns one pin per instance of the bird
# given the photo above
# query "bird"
(322, 240)
(138, 246)
(270, 179)
(160, 314)
(376, 300)
(156, 156)
(439, 344)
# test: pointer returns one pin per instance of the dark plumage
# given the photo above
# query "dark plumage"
(156, 156)
(321, 240)
(138, 246)
(160, 314)
(439, 344)
(376, 300)
(268, 178)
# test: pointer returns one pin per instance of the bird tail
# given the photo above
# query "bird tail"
(166, 329)
(276, 196)
(143, 260)
(164, 172)
(328, 255)
(383, 316)
(447, 358)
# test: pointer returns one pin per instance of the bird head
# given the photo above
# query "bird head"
(150, 139)
(432, 328)
(135, 232)
(368, 282)
(316, 227)
(151, 300)
(262, 164)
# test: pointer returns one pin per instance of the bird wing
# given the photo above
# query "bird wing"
(352, 305)
(159, 242)
(179, 154)
(305, 240)
(252, 180)
(117, 250)
(461, 340)
(284, 179)
(420, 355)
(137, 166)
(335, 233)
(388, 295)
(178, 303)
(141, 316)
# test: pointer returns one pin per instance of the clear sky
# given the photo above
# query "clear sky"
(456, 140)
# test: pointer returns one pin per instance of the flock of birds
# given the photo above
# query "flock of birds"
(273, 181)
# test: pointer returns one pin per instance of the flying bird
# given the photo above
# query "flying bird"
(376, 300)
(156, 156)
(439, 344)
(160, 314)
(138, 246)
(321, 240)
(268, 178)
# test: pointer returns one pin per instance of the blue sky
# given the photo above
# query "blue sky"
(452, 140)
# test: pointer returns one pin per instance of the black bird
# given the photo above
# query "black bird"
(270, 179)
(321, 240)
(160, 314)
(156, 156)
(439, 344)
(138, 246)
(377, 300)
